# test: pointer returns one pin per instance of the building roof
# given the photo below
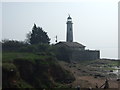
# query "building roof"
(71, 44)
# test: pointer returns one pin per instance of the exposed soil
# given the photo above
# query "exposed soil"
(88, 76)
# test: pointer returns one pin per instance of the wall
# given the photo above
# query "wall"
(85, 55)
(75, 54)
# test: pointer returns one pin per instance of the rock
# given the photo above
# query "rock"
(69, 66)
(84, 71)
(118, 79)
(74, 66)
(111, 70)
(98, 75)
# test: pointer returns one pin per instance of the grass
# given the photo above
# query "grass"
(113, 63)
(105, 64)
(10, 56)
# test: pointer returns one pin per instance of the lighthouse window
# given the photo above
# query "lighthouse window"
(70, 29)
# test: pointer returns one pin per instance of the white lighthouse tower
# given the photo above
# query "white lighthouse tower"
(69, 23)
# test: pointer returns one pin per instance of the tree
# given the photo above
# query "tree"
(38, 36)
(27, 40)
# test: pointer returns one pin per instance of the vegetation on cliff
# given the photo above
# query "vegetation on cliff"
(34, 72)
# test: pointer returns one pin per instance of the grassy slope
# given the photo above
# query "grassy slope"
(32, 70)
(10, 56)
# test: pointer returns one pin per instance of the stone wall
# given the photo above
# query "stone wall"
(85, 55)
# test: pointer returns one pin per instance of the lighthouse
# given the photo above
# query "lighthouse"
(69, 23)
(71, 51)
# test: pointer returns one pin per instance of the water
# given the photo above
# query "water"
(116, 71)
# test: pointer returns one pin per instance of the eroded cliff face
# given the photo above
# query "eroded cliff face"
(38, 73)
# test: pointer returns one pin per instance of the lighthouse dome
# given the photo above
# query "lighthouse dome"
(69, 17)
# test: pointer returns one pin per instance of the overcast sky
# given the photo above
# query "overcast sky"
(95, 24)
